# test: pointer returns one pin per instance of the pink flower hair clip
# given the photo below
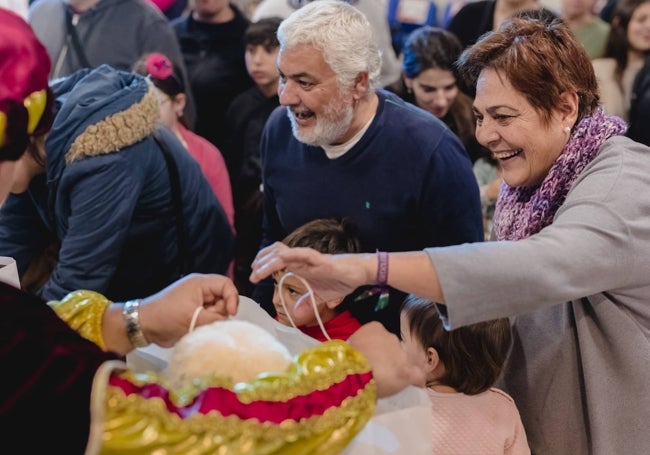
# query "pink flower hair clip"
(159, 66)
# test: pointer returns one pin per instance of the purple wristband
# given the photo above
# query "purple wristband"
(381, 284)
(382, 269)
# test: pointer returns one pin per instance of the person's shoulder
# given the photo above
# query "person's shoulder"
(268, 8)
(199, 143)
(400, 113)
(249, 98)
(499, 395)
(473, 8)
(605, 66)
(600, 24)
(634, 151)
(41, 3)
(278, 116)
(390, 100)
(42, 6)
(240, 20)
(644, 72)
(107, 129)
(620, 166)
(428, 137)
(277, 129)
(181, 22)
(144, 10)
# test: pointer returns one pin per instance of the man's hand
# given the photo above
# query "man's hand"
(166, 316)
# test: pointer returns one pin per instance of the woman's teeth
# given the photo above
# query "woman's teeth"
(508, 154)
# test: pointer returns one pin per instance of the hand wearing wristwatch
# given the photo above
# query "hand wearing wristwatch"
(132, 320)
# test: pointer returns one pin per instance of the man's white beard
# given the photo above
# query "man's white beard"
(332, 124)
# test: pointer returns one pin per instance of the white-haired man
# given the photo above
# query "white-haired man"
(337, 147)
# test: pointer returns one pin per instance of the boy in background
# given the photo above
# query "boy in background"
(245, 120)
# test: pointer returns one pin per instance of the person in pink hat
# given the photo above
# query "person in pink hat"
(65, 389)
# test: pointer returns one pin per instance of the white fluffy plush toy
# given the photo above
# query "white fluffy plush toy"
(232, 348)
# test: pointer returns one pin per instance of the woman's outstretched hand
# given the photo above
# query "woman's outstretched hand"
(330, 276)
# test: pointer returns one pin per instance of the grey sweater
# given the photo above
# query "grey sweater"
(578, 293)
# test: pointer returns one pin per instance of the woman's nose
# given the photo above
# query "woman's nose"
(440, 100)
(486, 133)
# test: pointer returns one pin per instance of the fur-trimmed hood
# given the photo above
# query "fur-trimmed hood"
(99, 111)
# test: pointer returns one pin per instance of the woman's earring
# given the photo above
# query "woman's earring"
(567, 129)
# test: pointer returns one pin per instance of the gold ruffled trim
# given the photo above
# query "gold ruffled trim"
(98, 404)
(136, 425)
(83, 311)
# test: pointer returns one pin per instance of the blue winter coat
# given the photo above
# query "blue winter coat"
(106, 195)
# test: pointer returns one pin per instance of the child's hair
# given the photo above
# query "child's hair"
(326, 235)
(263, 33)
(329, 236)
(473, 355)
(164, 74)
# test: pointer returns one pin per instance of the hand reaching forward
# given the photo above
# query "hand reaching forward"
(330, 276)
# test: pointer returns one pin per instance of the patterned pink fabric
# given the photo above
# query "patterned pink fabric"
(487, 423)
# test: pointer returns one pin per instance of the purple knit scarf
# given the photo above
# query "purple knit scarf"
(523, 211)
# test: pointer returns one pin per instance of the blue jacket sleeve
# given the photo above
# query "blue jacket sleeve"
(23, 235)
(101, 205)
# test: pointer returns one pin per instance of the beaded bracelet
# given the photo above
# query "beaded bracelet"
(381, 283)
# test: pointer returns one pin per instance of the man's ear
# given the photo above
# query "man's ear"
(361, 85)
(433, 360)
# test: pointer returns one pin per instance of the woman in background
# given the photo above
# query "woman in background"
(627, 47)
(431, 82)
(478, 17)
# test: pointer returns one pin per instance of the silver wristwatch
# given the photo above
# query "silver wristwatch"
(132, 320)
